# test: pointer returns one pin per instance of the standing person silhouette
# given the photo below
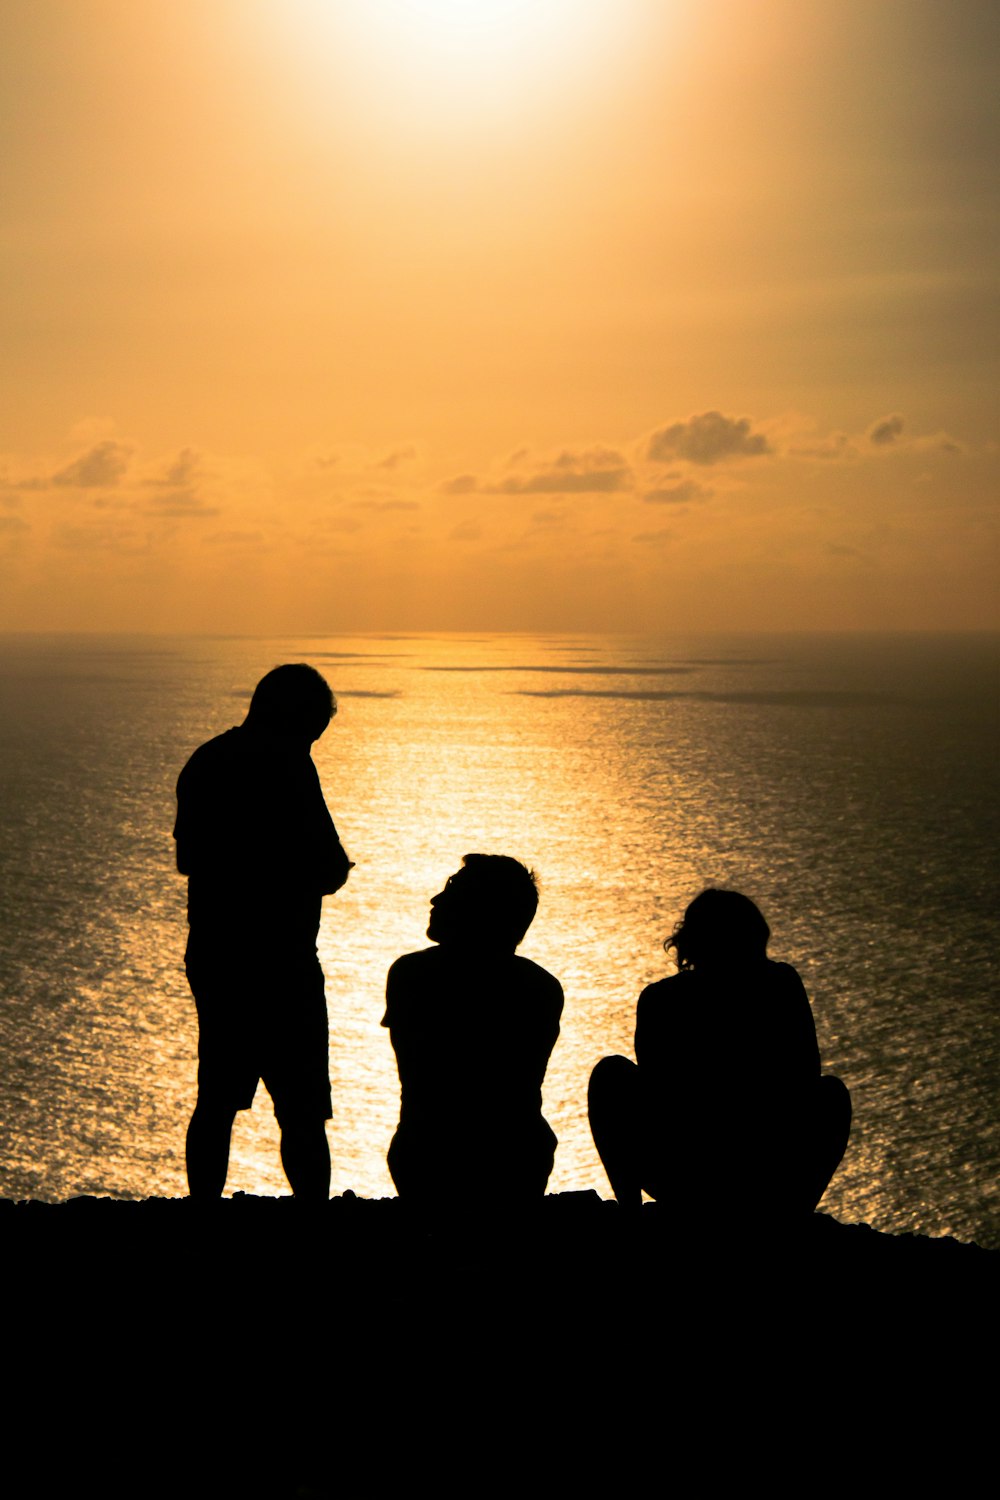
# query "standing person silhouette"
(472, 1025)
(724, 1111)
(258, 845)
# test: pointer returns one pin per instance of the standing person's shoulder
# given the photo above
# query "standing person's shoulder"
(199, 784)
(210, 756)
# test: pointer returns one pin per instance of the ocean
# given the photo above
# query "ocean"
(847, 783)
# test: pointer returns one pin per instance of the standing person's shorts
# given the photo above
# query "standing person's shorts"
(265, 1021)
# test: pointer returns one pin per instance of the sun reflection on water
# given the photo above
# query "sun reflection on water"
(625, 807)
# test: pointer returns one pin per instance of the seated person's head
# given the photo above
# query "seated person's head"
(489, 903)
(720, 929)
(292, 702)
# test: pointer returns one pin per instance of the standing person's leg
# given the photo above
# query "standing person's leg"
(207, 1149)
(305, 1156)
(296, 1049)
(227, 1076)
(615, 1123)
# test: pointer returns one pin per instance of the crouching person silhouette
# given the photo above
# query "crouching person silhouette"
(260, 851)
(472, 1025)
(725, 1111)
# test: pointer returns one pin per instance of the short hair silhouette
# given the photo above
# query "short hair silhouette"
(294, 699)
(719, 927)
(256, 840)
(499, 897)
(472, 1023)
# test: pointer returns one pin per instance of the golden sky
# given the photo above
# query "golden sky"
(324, 315)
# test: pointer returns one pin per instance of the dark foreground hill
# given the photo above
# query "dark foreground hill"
(255, 1347)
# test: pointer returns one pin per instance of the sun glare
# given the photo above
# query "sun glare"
(472, 61)
(488, 33)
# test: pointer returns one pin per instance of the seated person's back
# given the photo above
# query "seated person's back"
(472, 1024)
(725, 1108)
(727, 1059)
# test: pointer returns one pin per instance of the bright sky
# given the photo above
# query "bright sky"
(323, 315)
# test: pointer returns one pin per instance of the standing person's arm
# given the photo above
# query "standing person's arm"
(186, 824)
(331, 863)
(183, 850)
(334, 864)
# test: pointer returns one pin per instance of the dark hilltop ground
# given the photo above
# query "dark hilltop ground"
(255, 1347)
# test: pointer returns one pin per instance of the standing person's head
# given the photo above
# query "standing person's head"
(489, 903)
(292, 702)
(720, 929)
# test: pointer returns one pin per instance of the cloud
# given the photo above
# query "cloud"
(27, 484)
(385, 505)
(341, 523)
(597, 481)
(107, 536)
(467, 531)
(837, 445)
(462, 484)
(102, 465)
(112, 502)
(937, 442)
(235, 539)
(707, 439)
(185, 504)
(395, 458)
(178, 493)
(181, 473)
(13, 525)
(591, 471)
(655, 538)
(886, 430)
(679, 494)
(887, 435)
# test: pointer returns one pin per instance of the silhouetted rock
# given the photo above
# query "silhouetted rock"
(259, 1346)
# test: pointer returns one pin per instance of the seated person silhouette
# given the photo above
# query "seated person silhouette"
(472, 1025)
(724, 1112)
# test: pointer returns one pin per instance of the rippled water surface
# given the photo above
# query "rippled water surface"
(848, 784)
